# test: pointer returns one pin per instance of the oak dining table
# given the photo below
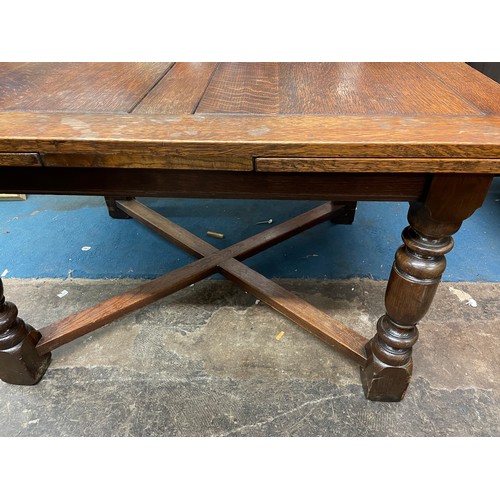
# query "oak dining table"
(339, 133)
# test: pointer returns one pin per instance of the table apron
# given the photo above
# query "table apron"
(212, 184)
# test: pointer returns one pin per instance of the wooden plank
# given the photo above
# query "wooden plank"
(263, 88)
(366, 89)
(481, 91)
(255, 135)
(166, 228)
(91, 87)
(363, 164)
(312, 319)
(90, 319)
(20, 160)
(214, 184)
(242, 88)
(180, 91)
(294, 308)
(241, 250)
(331, 89)
(170, 162)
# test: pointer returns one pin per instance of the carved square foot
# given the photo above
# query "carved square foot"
(21, 364)
(382, 382)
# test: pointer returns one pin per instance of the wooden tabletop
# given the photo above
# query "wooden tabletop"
(387, 117)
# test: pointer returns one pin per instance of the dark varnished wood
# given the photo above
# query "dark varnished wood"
(415, 276)
(20, 160)
(225, 261)
(347, 213)
(212, 260)
(424, 133)
(296, 309)
(20, 363)
(92, 318)
(113, 210)
(313, 320)
(242, 185)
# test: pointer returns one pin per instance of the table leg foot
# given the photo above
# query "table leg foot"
(388, 370)
(414, 279)
(346, 216)
(20, 363)
(415, 276)
(113, 210)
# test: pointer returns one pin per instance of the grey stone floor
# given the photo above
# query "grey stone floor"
(206, 362)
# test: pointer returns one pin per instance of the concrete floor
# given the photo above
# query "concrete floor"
(205, 362)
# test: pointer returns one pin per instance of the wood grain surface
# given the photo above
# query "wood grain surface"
(88, 87)
(331, 89)
(170, 161)
(221, 116)
(20, 160)
(180, 91)
(444, 165)
(251, 135)
(254, 88)
(242, 88)
(482, 92)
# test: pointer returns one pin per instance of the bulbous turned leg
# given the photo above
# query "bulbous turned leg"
(415, 276)
(19, 361)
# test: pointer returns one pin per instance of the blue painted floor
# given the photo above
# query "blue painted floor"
(44, 236)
